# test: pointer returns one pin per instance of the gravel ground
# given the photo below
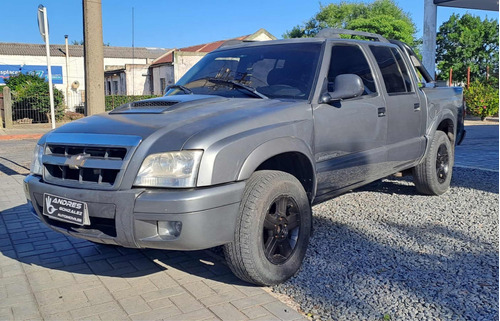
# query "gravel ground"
(384, 252)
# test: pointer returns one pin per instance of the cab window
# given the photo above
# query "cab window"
(350, 59)
(393, 69)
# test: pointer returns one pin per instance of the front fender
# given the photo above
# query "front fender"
(235, 157)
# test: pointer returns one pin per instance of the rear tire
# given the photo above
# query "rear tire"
(273, 229)
(433, 175)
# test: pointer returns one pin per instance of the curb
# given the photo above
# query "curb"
(18, 137)
(478, 168)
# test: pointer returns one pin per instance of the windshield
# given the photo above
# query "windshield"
(272, 71)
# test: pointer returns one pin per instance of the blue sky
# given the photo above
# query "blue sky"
(175, 24)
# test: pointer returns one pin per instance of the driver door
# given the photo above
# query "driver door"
(350, 134)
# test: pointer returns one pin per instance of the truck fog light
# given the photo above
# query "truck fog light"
(169, 229)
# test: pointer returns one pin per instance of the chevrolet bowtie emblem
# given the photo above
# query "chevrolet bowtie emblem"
(77, 161)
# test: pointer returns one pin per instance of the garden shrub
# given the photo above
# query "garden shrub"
(481, 99)
(115, 101)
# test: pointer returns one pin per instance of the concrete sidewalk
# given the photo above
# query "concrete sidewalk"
(33, 131)
(45, 275)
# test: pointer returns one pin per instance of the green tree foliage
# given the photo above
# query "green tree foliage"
(31, 97)
(467, 41)
(81, 43)
(381, 16)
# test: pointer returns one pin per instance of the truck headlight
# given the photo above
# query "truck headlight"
(172, 169)
(36, 167)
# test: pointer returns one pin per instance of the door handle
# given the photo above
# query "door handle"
(416, 106)
(381, 112)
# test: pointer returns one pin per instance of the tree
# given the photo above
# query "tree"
(381, 16)
(31, 97)
(467, 41)
(81, 43)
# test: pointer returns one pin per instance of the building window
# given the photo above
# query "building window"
(115, 87)
(163, 85)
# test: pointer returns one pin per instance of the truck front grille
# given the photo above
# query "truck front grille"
(62, 163)
(98, 165)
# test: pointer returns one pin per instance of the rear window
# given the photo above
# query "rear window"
(394, 71)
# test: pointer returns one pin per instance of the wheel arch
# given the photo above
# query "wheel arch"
(286, 154)
(448, 127)
(446, 124)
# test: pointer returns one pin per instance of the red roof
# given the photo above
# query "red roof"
(207, 47)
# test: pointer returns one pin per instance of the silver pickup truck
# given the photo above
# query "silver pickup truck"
(238, 150)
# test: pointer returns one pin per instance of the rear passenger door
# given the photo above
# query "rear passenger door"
(405, 123)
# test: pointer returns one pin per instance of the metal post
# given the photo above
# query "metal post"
(49, 68)
(429, 46)
(67, 72)
(451, 77)
(94, 57)
(468, 77)
(7, 107)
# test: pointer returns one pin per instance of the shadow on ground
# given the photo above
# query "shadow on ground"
(24, 238)
(412, 257)
(476, 179)
(370, 279)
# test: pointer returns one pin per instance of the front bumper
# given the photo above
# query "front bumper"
(131, 218)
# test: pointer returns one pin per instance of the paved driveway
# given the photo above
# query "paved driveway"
(479, 149)
(47, 275)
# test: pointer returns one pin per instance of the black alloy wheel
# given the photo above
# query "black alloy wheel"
(281, 230)
(442, 163)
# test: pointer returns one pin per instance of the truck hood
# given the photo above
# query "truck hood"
(173, 120)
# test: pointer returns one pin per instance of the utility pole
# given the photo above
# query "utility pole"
(93, 53)
(429, 45)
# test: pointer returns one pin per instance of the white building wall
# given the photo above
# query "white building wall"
(76, 71)
(164, 71)
(156, 80)
(137, 80)
(183, 61)
(261, 37)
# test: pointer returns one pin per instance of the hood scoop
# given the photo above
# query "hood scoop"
(145, 107)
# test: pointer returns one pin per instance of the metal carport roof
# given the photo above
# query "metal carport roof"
(491, 5)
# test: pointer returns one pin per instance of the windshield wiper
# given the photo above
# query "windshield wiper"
(186, 90)
(237, 84)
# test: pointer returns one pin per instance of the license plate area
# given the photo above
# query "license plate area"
(65, 209)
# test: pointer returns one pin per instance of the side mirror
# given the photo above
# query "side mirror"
(346, 86)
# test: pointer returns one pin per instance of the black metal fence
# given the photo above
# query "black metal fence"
(30, 109)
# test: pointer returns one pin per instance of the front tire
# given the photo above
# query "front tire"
(433, 175)
(273, 229)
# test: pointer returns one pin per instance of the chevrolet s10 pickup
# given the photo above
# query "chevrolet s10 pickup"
(241, 147)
